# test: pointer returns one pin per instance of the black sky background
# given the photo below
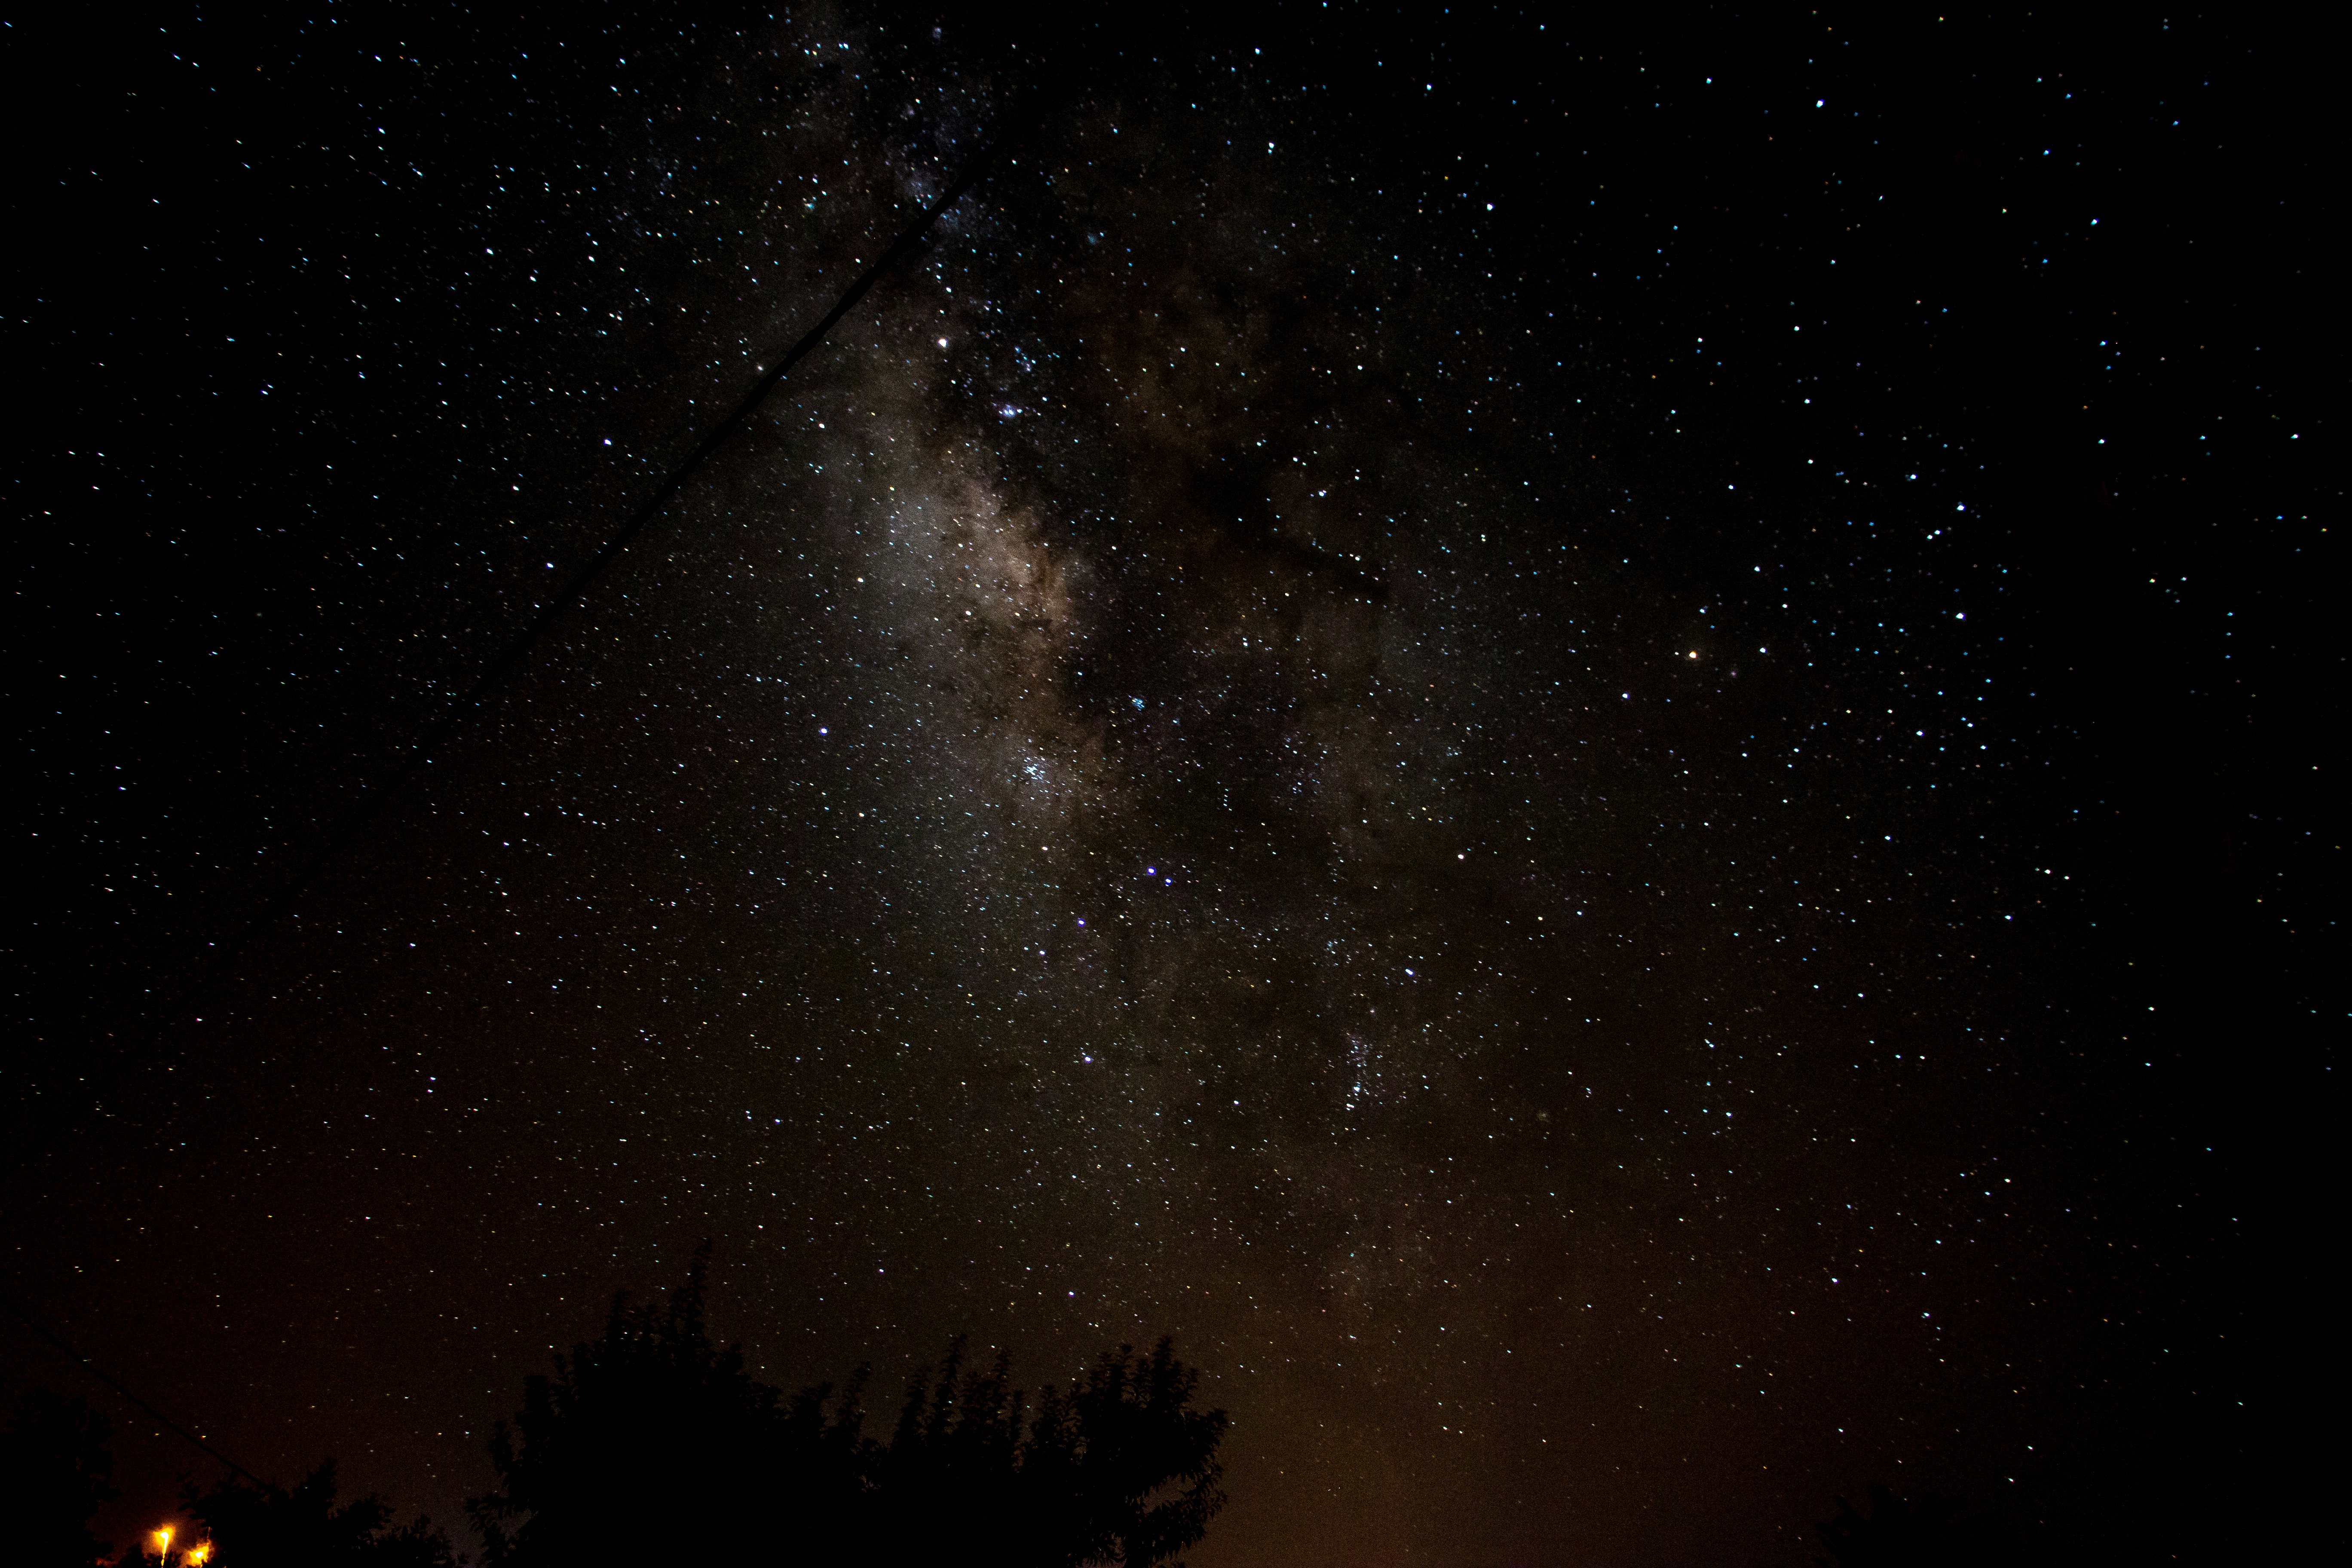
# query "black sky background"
(1849, 651)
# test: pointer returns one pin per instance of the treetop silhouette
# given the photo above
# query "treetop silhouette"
(263, 1526)
(654, 1442)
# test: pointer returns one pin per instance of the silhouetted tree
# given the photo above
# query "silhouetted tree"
(1126, 1461)
(265, 1526)
(1903, 1532)
(1120, 1469)
(55, 1473)
(653, 1440)
(950, 1473)
(654, 1444)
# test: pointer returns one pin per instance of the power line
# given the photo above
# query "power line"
(116, 1384)
(373, 799)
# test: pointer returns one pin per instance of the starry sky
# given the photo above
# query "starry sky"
(1601, 751)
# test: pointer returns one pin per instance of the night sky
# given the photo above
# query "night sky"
(1600, 751)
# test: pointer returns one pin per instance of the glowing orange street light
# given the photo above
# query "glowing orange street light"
(196, 1556)
(162, 1534)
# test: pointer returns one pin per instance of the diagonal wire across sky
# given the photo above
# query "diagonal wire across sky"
(373, 798)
